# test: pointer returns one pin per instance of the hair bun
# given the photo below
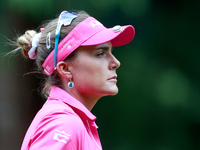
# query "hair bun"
(25, 41)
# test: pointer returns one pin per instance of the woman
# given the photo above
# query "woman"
(75, 54)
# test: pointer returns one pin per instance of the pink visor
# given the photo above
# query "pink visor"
(88, 32)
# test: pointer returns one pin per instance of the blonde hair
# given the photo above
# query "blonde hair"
(24, 43)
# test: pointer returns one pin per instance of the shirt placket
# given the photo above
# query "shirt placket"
(93, 131)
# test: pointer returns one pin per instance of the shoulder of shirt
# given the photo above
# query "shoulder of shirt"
(56, 113)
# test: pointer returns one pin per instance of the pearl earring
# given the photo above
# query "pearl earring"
(71, 84)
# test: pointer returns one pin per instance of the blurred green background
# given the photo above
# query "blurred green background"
(158, 104)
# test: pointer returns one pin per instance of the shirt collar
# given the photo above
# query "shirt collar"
(62, 95)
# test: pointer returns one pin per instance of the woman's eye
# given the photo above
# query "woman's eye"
(100, 54)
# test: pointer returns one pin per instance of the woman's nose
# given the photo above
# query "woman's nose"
(115, 63)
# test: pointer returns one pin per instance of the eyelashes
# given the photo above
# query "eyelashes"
(101, 54)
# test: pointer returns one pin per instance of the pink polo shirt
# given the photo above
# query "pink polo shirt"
(63, 123)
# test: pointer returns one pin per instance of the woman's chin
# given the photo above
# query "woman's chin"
(113, 91)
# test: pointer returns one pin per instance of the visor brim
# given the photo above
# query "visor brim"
(117, 38)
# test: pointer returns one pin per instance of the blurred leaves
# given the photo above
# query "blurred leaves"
(129, 7)
(34, 7)
(172, 88)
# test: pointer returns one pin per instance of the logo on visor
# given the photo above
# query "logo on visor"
(94, 23)
(67, 44)
(47, 67)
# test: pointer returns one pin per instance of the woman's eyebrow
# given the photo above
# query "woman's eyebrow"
(104, 48)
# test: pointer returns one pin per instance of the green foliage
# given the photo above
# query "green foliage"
(34, 7)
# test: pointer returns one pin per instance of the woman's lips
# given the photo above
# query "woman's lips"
(114, 78)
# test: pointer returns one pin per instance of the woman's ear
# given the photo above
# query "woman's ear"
(63, 69)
